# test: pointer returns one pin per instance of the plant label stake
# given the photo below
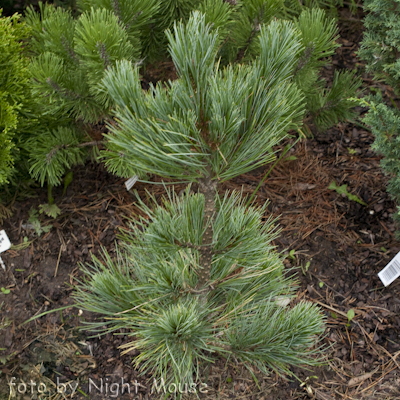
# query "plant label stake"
(5, 244)
(391, 271)
(130, 182)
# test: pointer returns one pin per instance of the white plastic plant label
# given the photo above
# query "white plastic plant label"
(130, 182)
(5, 244)
(391, 271)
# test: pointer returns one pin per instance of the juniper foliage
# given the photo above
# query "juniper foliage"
(198, 278)
(380, 49)
(381, 42)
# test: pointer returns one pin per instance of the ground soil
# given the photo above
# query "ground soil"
(337, 245)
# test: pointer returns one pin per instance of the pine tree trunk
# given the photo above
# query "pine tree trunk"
(208, 188)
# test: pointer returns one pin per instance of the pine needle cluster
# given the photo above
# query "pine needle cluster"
(326, 106)
(380, 50)
(293, 8)
(69, 58)
(199, 278)
(315, 34)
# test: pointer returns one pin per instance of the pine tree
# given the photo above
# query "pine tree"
(69, 57)
(22, 116)
(200, 279)
(134, 16)
(380, 49)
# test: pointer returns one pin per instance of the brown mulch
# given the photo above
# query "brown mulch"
(337, 244)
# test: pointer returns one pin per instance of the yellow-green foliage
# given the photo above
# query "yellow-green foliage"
(13, 86)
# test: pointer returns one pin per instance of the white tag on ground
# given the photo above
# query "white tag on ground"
(130, 182)
(391, 271)
(5, 243)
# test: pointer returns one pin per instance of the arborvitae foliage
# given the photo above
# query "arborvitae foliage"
(200, 279)
(381, 50)
(14, 79)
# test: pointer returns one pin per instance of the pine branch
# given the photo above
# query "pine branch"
(54, 151)
(135, 17)
(91, 144)
(65, 93)
(103, 53)
(187, 245)
(57, 148)
(327, 106)
(117, 9)
(254, 31)
(68, 48)
(305, 58)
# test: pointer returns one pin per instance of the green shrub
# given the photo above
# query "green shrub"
(13, 88)
(381, 50)
(202, 280)
(24, 121)
(68, 59)
(294, 7)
